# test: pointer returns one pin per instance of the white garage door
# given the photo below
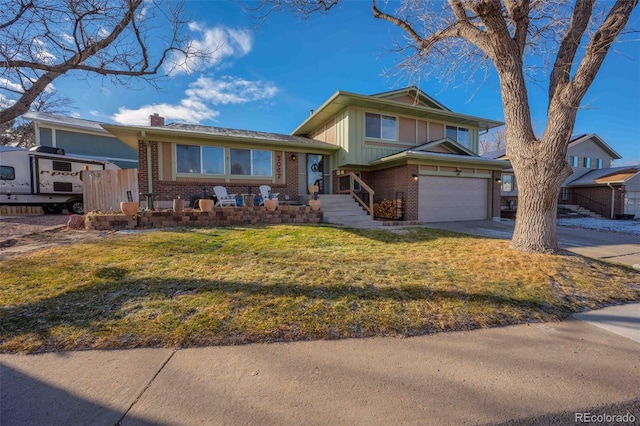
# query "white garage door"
(442, 199)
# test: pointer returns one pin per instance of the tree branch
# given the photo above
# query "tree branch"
(561, 72)
(599, 46)
(23, 8)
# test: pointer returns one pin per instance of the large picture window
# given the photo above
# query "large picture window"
(459, 134)
(381, 126)
(200, 159)
(250, 162)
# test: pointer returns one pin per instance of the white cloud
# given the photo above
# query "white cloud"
(8, 84)
(6, 102)
(40, 52)
(189, 112)
(216, 43)
(94, 112)
(201, 96)
(231, 90)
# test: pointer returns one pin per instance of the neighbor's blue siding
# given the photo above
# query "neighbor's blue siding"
(45, 137)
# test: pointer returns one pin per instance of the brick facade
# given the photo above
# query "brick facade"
(597, 199)
(496, 201)
(388, 183)
(193, 189)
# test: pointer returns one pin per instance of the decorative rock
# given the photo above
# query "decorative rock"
(76, 221)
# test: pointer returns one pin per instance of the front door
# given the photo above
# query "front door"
(315, 172)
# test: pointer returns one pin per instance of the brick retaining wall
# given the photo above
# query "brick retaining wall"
(228, 216)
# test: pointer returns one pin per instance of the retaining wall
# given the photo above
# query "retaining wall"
(226, 216)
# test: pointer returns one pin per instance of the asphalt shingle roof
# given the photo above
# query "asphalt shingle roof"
(237, 133)
(590, 177)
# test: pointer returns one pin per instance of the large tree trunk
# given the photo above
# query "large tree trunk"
(540, 168)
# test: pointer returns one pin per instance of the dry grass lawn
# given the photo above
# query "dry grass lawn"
(197, 287)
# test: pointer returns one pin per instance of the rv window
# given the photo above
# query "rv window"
(61, 166)
(7, 173)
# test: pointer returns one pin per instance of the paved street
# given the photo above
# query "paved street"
(525, 374)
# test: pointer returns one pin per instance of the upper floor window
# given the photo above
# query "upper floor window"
(458, 134)
(200, 159)
(586, 162)
(573, 160)
(381, 126)
(250, 162)
(599, 164)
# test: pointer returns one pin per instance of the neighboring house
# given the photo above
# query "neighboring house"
(594, 184)
(81, 138)
(402, 144)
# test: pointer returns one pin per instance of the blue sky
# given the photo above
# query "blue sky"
(269, 78)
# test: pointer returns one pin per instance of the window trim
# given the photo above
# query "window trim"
(201, 158)
(251, 174)
(468, 130)
(395, 119)
(574, 161)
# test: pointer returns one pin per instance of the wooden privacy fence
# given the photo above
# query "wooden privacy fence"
(104, 189)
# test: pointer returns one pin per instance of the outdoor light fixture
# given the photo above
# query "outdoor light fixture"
(458, 171)
(414, 176)
(293, 157)
(498, 180)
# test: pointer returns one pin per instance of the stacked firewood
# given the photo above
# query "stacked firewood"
(388, 209)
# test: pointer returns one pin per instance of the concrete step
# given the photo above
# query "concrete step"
(345, 211)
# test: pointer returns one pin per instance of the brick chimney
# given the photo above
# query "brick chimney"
(156, 121)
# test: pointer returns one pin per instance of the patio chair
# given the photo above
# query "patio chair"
(223, 198)
(266, 194)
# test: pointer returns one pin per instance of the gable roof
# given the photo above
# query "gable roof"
(131, 134)
(577, 139)
(64, 122)
(415, 93)
(341, 100)
(604, 176)
(446, 142)
(460, 154)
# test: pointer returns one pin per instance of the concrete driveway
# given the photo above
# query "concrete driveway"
(609, 246)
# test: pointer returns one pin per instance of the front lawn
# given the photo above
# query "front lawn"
(222, 286)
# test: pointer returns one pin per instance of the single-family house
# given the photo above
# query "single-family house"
(594, 184)
(81, 137)
(401, 144)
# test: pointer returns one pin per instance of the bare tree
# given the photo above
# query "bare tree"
(493, 140)
(41, 40)
(517, 39)
(20, 132)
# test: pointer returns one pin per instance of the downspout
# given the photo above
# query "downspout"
(613, 199)
(147, 144)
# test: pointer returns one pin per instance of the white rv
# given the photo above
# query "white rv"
(44, 176)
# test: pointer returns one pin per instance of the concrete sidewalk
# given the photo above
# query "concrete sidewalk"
(525, 374)
(610, 246)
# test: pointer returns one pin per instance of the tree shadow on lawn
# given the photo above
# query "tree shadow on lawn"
(414, 234)
(91, 308)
